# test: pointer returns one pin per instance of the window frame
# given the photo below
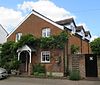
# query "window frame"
(45, 53)
(46, 32)
(18, 36)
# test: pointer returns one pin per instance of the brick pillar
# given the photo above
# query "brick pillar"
(78, 63)
(82, 66)
(75, 62)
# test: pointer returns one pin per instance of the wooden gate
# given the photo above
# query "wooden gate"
(91, 65)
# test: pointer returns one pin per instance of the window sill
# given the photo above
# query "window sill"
(45, 62)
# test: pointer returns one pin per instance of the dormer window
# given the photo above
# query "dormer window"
(46, 32)
(80, 30)
(18, 36)
(87, 35)
(72, 28)
(83, 35)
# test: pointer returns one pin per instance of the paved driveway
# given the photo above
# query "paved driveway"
(37, 81)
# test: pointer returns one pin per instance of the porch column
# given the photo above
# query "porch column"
(19, 55)
(30, 64)
(30, 57)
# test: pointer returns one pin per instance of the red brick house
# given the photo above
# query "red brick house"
(41, 26)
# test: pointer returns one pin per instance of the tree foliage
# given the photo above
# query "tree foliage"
(8, 58)
(95, 46)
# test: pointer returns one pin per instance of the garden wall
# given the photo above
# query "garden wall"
(77, 62)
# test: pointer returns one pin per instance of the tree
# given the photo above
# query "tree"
(95, 46)
(8, 57)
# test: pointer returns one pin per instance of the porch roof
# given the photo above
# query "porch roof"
(26, 48)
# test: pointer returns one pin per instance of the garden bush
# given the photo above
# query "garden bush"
(74, 75)
(38, 70)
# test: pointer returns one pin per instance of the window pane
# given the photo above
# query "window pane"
(45, 56)
(46, 32)
(18, 36)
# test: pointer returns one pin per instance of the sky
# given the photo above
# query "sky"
(84, 12)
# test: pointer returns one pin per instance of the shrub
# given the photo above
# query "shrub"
(74, 49)
(38, 70)
(74, 75)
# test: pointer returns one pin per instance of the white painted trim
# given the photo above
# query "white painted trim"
(40, 16)
(41, 57)
(88, 37)
(18, 56)
(44, 18)
(24, 48)
(30, 57)
(3, 29)
(55, 74)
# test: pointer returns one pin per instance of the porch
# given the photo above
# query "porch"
(25, 56)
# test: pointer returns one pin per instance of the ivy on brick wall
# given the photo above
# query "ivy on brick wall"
(53, 42)
(28, 39)
(74, 49)
(8, 49)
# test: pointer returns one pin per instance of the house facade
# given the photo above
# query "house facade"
(3, 35)
(40, 26)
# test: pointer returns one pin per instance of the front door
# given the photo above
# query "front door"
(24, 58)
(91, 65)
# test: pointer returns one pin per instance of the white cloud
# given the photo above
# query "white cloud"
(9, 18)
(93, 37)
(47, 8)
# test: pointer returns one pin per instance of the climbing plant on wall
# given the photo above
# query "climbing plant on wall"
(8, 56)
(74, 49)
(55, 41)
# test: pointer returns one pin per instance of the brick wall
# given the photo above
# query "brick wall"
(77, 62)
(85, 47)
(53, 66)
(34, 25)
(74, 40)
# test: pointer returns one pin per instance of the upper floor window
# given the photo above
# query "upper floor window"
(45, 56)
(46, 32)
(18, 36)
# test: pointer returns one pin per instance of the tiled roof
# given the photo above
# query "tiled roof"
(65, 21)
(87, 33)
(79, 28)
